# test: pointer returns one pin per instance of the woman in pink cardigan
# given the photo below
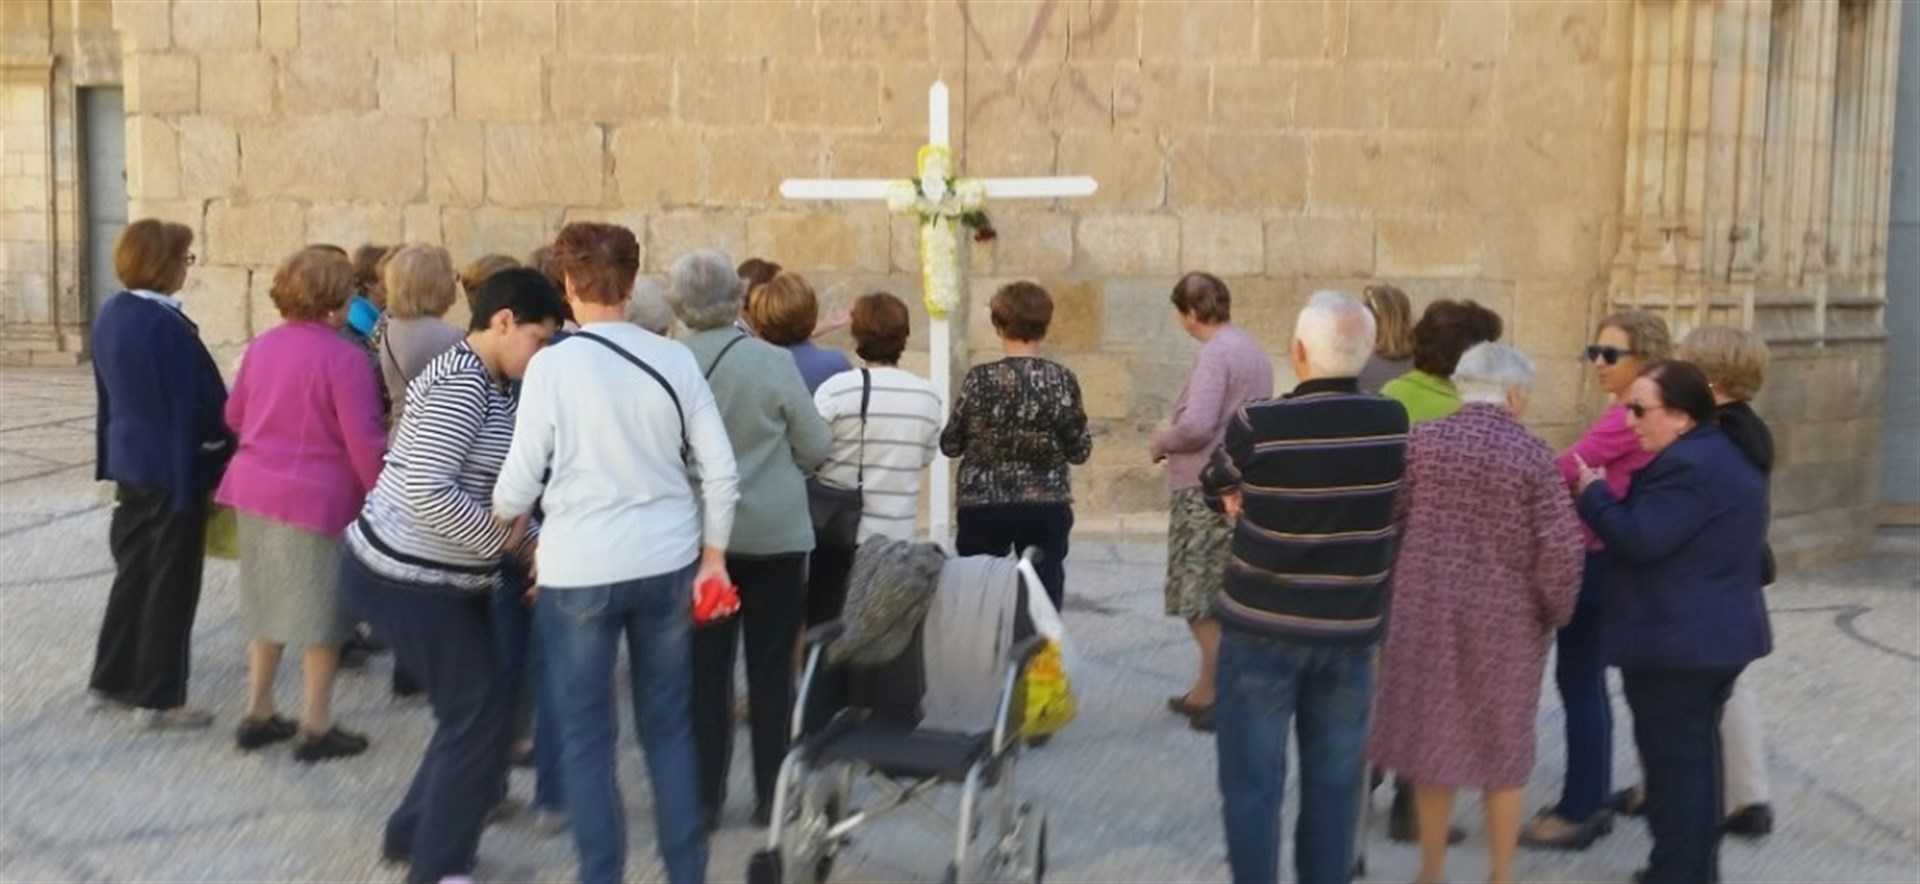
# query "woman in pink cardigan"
(306, 408)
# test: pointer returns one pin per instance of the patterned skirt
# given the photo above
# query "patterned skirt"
(1198, 542)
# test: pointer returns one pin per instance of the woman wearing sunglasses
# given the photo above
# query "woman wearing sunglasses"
(1625, 343)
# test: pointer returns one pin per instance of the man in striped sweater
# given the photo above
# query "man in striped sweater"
(1309, 479)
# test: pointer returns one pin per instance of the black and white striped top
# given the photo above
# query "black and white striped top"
(429, 519)
(902, 432)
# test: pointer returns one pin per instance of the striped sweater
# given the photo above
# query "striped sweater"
(429, 520)
(1317, 471)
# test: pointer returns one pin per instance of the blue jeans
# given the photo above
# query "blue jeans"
(1265, 684)
(1580, 671)
(521, 665)
(580, 633)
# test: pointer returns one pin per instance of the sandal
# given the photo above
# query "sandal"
(335, 743)
(255, 733)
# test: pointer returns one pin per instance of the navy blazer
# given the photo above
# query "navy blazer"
(162, 403)
(1687, 543)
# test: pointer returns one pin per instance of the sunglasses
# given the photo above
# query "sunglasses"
(1608, 355)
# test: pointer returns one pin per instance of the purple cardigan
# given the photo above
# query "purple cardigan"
(1230, 371)
(306, 407)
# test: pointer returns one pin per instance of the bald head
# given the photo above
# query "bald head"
(1333, 337)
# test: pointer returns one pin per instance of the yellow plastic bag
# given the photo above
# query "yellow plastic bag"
(1050, 705)
(223, 533)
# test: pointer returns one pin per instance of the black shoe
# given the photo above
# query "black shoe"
(1202, 721)
(1579, 837)
(1631, 801)
(1401, 825)
(333, 744)
(1752, 821)
(711, 820)
(403, 684)
(255, 733)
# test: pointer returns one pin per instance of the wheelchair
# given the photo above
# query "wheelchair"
(813, 817)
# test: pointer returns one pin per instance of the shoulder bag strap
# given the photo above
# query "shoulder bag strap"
(651, 372)
(723, 354)
(866, 395)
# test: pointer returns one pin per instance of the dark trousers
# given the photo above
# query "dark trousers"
(997, 529)
(1676, 726)
(827, 571)
(772, 602)
(1580, 672)
(445, 638)
(144, 651)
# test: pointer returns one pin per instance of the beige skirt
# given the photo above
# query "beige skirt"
(289, 584)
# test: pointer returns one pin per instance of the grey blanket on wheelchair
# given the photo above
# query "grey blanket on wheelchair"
(888, 591)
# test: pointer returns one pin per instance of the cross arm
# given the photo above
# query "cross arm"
(1038, 188)
(835, 188)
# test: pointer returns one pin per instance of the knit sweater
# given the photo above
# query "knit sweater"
(1317, 471)
(1230, 370)
(778, 438)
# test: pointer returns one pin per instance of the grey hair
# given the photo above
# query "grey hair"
(648, 307)
(1488, 370)
(706, 292)
(1337, 332)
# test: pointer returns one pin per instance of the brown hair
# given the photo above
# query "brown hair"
(757, 271)
(1683, 388)
(152, 254)
(600, 259)
(1204, 297)
(366, 264)
(312, 283)
(1734, 360)
(1446, 330)
(541, 259)
(783, 310)
(477, 271)
(420, 281)
(1646, 333)
(1021, 311)
(880, 328)
(1392, 321)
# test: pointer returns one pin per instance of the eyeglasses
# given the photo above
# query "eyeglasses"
(1609, 355)
(1640, 411)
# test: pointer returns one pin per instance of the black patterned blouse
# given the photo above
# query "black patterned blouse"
(1017, 425)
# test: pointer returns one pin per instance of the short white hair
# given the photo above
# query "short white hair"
(1488, 371)
(1337, 332)
(648, 308)
(706, 291)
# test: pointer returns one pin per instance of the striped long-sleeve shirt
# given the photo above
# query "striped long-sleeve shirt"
(902, 428)
(429, 518)
(1317, 471)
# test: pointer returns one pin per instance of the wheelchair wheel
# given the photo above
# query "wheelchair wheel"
(1019, 853)
(818, 801)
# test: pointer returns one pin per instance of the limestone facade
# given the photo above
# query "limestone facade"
(1719, 161)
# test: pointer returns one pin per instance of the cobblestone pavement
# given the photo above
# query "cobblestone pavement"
(89, 797)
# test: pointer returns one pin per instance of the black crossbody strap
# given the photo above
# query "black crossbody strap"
(723, 354)
(643, 366)
(866, 395)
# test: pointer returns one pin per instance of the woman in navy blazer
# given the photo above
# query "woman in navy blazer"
(162, 439)
(1685, 613)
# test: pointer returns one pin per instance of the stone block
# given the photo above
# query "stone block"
(1559, 33)
(217, 297)
(1319, 247)
(1547, 97)
(1223, 245)
(209, 157)
(1475, 30)
(1253, 96)
(556, 164)
(237, 84)
(875, 29)
(1033, 241)
(215, 24)
(1131, 169)
(618, 27)
(657, 165)
(1302, 31)
(1078, 322)
(1128, 245)
(903, 99)
(745, 168)
(1224, 30)
(634, 220)
(420, 223)
(1228, 170)
(191, 212)
(758, 30)
(456, 162)
(162, 83)
(721, 92)
(147, 25)
(262, 233)
(518, 27)
(280, 158)
(845, 239)
(349, 25)
(317, 81)
(873, 156)
(279, 25)
(1446, 246)
(262, 314)
(675, 233)
(1106, 387)
(1557, 384)
(435, 25)
(1395, 30)
(1423, 173)
(610, 90)
(1108, 31)
(1552, 322)
(1546, 242)
(1138, 317)
(1440, 97)
(417, 85)
(1160, 96)
(347, 225)
(153, 159)
(470, 233)
(1533, 172)
(1071, 96)
(1015, 30)
(811, 95)
(498, 88)
(1268, 308)
(1341, 98)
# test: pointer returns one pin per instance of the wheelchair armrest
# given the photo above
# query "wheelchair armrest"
(826, 633)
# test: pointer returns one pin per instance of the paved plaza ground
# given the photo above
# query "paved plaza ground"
(87, 796)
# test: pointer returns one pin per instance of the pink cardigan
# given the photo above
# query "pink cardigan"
(1608, 443)
(306, 407)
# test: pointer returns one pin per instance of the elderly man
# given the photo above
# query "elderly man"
(618, 415)
(1310, 479)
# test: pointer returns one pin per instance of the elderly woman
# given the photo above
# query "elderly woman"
(784, 312)
(368, 303)
(477, 271)
(1018, 426)
(1230, 370)
(160, 437)
(421, 288)
(649, 309)
(1445, 331)
(426, 553)
(1625, 343)
(778, 438)
(1393, 343)
(1488, 568)
(311, 446)
(1685, 613)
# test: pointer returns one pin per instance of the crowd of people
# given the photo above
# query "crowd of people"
(1377, 562)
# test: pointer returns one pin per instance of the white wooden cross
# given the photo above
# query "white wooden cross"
(939, 199)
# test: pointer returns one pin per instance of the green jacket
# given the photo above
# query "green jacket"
(778, 439)
(1426, 397)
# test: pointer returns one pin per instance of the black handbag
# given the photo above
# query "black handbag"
(836, 511)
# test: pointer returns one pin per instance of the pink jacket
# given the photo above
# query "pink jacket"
(1608, 443)
(306, 407)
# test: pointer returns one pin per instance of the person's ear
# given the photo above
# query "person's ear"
(502, 321)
